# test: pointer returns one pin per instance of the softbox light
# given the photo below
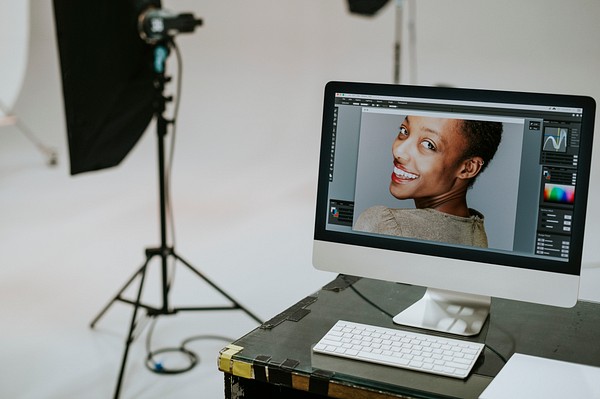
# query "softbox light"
(107, 79)
(113, 55)
(366, 7)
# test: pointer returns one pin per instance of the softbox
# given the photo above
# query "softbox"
(107, 79)
(366, 7)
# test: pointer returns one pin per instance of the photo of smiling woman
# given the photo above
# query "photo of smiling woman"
(434, 163)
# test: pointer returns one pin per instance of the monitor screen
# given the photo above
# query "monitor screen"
(469, 191)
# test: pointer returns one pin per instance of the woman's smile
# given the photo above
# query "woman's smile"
(401, 175)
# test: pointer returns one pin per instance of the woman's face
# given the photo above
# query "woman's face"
(427, 155)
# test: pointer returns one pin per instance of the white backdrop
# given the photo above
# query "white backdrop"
(254, 72)
(14, 35)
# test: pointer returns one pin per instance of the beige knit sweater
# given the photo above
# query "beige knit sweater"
(426, 224)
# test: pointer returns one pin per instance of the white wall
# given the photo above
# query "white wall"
(263, 51)
(14, 35)
(254, 73)
(542, 45)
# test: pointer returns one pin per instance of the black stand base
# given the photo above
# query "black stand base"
(164, 253)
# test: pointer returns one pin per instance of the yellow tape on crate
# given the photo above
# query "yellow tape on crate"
(242, 369)
(225, 357)
(237, 368)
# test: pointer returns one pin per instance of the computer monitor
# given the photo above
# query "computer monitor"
(471, 193)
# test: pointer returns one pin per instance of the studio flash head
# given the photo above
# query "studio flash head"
(156, 24)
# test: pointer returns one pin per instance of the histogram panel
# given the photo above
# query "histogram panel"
(555, 139)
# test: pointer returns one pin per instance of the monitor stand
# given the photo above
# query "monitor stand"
(447, 311)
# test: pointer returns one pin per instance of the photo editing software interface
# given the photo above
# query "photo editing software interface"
(526, 195)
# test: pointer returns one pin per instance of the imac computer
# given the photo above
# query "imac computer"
(470, 193)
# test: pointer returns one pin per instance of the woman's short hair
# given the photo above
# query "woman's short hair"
(483, 138)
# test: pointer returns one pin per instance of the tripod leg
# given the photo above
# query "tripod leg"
(116, 297)
(131, 329)
(233, 301)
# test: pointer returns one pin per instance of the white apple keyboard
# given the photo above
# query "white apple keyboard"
(397, 348)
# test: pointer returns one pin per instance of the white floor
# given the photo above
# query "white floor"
(244, 183)
(69, 244)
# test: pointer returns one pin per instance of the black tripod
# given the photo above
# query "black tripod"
(164, 251)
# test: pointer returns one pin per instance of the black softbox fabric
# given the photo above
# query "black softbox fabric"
(107, 79)
(366, 7)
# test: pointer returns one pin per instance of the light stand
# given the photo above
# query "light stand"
(398, 40)
(164, 252)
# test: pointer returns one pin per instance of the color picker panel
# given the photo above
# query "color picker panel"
(559, 193)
